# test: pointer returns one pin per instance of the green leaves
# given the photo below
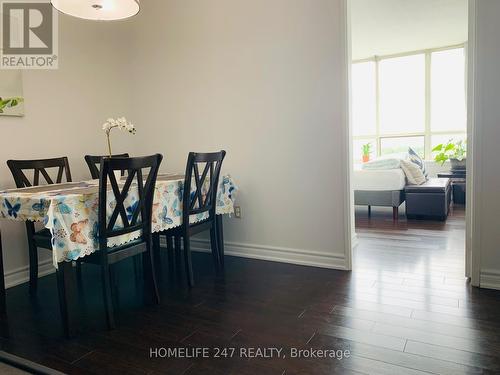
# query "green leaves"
(450, 150)
(438, 148)
(440, 158)
(449, 147)
(366, 149)
(9, 103)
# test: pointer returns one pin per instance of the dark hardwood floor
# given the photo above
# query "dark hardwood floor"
(427, 250)
(405, 309)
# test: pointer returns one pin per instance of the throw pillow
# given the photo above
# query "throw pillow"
(413, 173)
(416, 159)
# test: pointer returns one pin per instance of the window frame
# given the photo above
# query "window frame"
(427, 133)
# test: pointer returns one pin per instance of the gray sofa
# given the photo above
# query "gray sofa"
(387, 198)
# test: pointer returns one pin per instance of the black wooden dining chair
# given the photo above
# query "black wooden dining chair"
(21, 171)
(94, 163)
(201, 199)
(137, 219)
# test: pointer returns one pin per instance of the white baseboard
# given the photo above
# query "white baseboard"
(270, 253)
(21, 275)
(490, 279)
(277, 254)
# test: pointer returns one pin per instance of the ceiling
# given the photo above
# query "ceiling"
(384, 27)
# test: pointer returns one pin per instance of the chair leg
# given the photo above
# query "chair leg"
(33, 259)
(108, 299)
(113, 277)
(156, 294)
(150, 284)
(178, 261)
(188, 262)
(156, 254)
(79, 278)
(170, 255)
(137, 268)
(215, 248)
(67, 292)
(220, 239)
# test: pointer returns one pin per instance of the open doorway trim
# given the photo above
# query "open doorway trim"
(472, 217)
(350, 238)
(472, 242)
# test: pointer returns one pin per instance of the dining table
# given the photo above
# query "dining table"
(70, 211)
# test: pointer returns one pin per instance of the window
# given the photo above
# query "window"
(364, 114)
(448, 90)
(397, 145)
(416, 100)
(402, 94)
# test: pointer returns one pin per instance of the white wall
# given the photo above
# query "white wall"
(64, 112)
(386, 27)
(487, 123)
(265, 81)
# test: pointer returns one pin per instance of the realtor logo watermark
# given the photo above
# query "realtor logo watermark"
(28, 35)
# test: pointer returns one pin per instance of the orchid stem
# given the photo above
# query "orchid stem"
(109, 144)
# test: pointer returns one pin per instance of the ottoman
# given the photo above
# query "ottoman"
(429, 200)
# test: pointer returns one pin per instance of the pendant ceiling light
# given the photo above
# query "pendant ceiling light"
(98, 10)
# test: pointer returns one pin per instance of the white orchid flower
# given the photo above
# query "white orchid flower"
(120, 123)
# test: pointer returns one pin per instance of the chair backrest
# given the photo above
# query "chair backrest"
(203, 197)
(94, 162)
(39, 167)
(138, 215)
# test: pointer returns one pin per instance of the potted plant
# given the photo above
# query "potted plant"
(455, 152)
(366, 150)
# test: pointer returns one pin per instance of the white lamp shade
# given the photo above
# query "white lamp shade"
(98, 10)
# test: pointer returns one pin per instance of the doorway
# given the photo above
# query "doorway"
(408, 92)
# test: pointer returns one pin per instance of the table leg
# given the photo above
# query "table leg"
(66, 286)
(2, 281)
(220, 238)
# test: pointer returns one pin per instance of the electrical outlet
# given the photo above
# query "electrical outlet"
(237, 212)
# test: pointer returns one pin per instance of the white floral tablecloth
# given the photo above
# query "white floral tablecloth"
(69, 211)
